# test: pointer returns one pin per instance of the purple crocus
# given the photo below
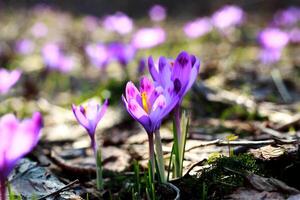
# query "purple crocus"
(98, 54)
(89, 117)
(197, 27)
(150, 104)
(24, 46)
(8, 79)
(287, 17)
(17, 139)
(157, 13)
(118, 22)
(55, 59)
(123, 53)
(148, 37)
(183, 71)
(272, 41)
(228, 16)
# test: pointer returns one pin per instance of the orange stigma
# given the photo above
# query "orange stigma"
(144, 102)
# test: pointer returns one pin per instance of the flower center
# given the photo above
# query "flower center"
(144, 102)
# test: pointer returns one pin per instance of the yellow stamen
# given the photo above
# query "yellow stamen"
(144, 102)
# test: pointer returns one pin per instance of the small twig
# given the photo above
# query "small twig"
(272, 132)
(72, 168)
(176, 190)
(193, 166)
(60, 190)
(219, 142)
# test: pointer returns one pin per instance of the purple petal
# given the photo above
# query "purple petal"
(102, 110)
(132, 92)
(146, 86)
(152, 69)
(80, 116)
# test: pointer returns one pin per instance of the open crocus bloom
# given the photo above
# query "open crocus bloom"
(151, 103)
(90, 116)
(182, 72)
(8, 79)
(17, 139)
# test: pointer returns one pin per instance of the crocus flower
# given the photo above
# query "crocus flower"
(119, 22)
(98, 54)
(24, 46)
(8, 79)
(148, 38)
(183, 71)
(150, 104)
(287, 17)
(123, 53)
(272, 41)
(157, 13)
(55, 59)
(228, 16)
(197, 27)
(90, 116)
(17, 139)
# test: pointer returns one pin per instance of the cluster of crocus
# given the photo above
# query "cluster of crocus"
(146, 38)
(182, 71)
(89, 117)
(55, 59)
(8, 79)
(101, 55)
(223, 19)
(155, 100)
(17, 139)
(118, 22)
(157, 13)
(288, 21)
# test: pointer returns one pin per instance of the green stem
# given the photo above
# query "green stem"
(160, 156)
(151, 153)
(99, 170)
(177, 122)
